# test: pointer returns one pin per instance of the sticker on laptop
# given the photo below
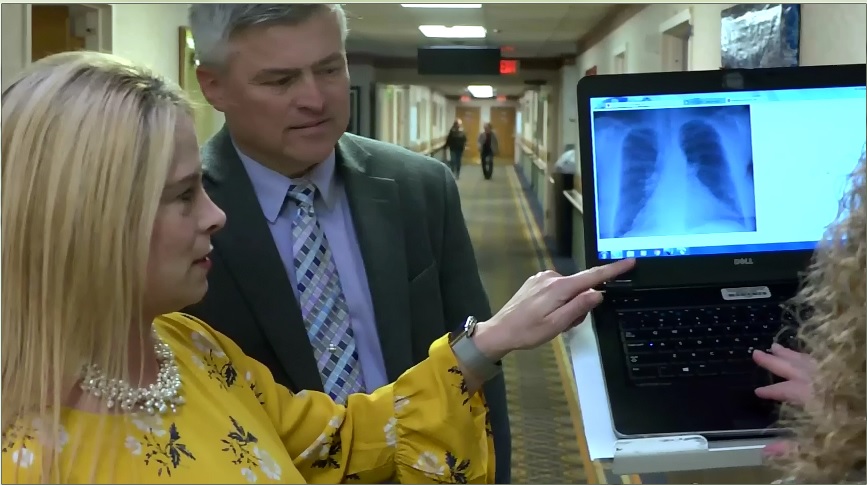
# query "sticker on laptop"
(746, 293)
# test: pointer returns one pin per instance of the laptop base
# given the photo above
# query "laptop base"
(718, 405)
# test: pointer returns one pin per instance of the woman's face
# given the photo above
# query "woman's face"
(178, 264)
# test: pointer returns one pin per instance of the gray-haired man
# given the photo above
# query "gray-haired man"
(393, 249)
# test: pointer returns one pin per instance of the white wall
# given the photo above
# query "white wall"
(830, 34)
(12, 47)
(148, 34)
(835, 34)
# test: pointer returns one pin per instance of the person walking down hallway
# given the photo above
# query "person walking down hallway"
(456, 143)
(488, 148)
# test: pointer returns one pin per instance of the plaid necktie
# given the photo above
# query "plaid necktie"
(323, 306)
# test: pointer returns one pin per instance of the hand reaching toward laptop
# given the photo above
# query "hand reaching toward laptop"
(797, 369)
(544, 307)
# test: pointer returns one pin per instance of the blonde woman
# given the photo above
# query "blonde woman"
(106, 233)
(824, 389)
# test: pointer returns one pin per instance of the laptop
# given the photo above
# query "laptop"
(720, 183)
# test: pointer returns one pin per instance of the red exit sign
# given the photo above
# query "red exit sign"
(508, 66)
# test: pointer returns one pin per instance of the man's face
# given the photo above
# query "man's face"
(284, 91)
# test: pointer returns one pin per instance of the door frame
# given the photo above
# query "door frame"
(98, 20)
(676, 42)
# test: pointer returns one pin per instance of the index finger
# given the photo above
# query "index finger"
(779, 366)
(593, 277)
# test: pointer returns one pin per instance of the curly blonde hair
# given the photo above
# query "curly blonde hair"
(830, 432)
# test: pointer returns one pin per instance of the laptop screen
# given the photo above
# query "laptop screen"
(722, 173)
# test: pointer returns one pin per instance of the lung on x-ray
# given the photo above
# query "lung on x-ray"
(667, 172)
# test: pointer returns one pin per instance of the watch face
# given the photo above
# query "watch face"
(470, 326)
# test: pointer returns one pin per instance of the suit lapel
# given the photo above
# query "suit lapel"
(248, 249)
(374, 202)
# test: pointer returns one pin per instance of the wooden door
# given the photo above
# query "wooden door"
(472, 119)
(503, 125)
(51, 28)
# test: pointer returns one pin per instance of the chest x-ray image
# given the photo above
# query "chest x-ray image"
(667, 172)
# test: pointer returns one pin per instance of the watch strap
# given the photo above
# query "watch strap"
(471, 358)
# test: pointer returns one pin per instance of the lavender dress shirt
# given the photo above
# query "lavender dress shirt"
(334, 215)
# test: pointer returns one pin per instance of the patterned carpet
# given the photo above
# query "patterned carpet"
(545, 448)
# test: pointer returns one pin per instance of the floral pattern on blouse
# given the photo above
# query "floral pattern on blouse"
(239, 426)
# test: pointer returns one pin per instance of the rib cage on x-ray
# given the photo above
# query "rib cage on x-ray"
(674, 171)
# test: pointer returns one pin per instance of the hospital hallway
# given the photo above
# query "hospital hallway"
(508, 250)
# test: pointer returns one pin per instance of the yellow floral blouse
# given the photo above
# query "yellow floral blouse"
(238, 426)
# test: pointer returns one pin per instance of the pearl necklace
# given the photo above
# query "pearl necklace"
(157, 398)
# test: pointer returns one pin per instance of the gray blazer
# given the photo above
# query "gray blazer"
(417, 253)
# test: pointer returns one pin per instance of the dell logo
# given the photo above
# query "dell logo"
(743, 261)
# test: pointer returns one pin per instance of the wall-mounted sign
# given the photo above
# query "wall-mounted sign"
(508, 67)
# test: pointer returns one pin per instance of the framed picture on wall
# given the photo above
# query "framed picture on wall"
(760, 35)
(186, 57)
(354, 110)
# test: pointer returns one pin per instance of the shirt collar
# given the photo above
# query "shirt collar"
(271, 187)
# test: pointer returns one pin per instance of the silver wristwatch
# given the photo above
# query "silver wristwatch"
(470, 357)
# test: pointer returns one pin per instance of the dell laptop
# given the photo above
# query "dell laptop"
(720, 183)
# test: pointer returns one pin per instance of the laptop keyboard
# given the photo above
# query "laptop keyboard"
(664, 345)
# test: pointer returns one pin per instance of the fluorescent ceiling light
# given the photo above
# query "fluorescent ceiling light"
(481, 91)
(456, 32)
(441, 5)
